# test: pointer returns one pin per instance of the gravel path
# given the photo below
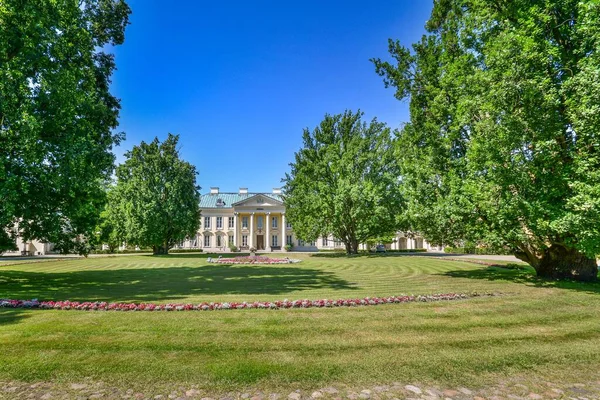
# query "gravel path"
(397, 390)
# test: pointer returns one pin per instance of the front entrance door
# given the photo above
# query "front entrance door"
(260, 242)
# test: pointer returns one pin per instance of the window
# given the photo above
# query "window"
(288, 225)
(288, 240)
(218, 240)
(206, 222)
(325, 242)
(231, 240)
(219, 222)
(245, 222)
(230, 222)
(244, 240)
(300, 242)
(313, 243)
(206, 240)
(274, 240)
(259, 222)
(274, 222)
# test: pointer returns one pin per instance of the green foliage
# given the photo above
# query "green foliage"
(7, 242)
(407, 251)
(233, 248)
(289, 247)
(156, 202)
(125, 251)
(344, 182)
(477, 250)
(107, 231)
(502, 145)
(382, 239)
(185, 251)
(57, 116)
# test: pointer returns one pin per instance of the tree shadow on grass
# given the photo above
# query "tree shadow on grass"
(524, 275)
(11, 316)
(162, 284)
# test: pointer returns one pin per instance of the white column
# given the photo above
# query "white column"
(268, 222)
(251, 238)
(235, 228)
(283, 231)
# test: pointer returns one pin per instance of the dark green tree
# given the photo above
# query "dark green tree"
(109, 230)
(503, 142)
(156, 202)
(56, 116)
(344, 182)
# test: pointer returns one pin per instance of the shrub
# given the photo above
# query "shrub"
(483, 250)
(407, 251)
(126, 251)
(233, 248)
(185, 251)
(288, 247)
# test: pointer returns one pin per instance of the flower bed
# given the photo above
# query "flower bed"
(252, 260)
(273, 305)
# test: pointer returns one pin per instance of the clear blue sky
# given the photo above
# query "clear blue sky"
(239, 80)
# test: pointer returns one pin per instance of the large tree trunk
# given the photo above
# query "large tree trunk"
(351, 247)
(348, 248)
(559, 262)
(159, 250)
(354, 247)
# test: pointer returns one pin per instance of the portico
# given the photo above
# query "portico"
(244, 220)
(260, 229)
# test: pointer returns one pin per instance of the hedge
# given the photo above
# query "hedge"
(478, 251)
(144, 251)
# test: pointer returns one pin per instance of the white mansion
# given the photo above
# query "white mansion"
(246, 220)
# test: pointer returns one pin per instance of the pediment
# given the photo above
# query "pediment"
(258, 200)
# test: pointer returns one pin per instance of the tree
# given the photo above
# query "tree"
(56, 117)
(344, 182)
(156, 202)
(108, 231)
(502, 145)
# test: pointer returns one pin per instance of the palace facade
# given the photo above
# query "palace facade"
(246, 219)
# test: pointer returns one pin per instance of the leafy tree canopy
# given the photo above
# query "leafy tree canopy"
(56, 116)
(156, 202)
(344, 182)
(503, 141)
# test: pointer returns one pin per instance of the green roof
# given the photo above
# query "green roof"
(209, 200)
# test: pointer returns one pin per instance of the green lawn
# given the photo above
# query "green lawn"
(534, 330)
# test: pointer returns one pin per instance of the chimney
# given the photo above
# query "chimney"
(276, 190)
(243, 190)
(214, 190)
